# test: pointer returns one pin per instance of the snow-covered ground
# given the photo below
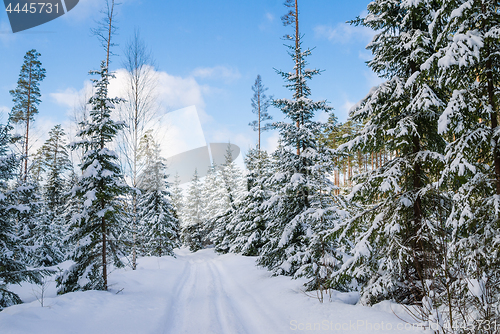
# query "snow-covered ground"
(196, 293)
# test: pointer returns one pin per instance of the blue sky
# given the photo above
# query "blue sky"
(209, 53)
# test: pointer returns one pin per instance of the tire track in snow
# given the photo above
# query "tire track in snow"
(175, 312)
(170, 309)
(208, 300)
(257, 314)
(229, 316)
(193, 308)
(205, 295)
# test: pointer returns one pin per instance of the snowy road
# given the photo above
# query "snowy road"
(198, 293)
(209, 300)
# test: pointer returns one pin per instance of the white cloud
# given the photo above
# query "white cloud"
(343, 111)
(267, 21)
(39, 133)
(75, 102)
(172, 92)
(6, 35)
(344, 33)
(270, 144)
(322, 116)
(372, 79)
(179, 131)
(365, 55)
(4, 114)
(346, 107)
(177, 92)
(227, 74)
(70, 97)
(224, 135)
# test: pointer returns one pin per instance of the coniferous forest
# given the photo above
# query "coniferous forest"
(401, 202)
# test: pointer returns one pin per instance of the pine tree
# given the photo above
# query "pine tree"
(26, 98)
(157, 215)
(97, 229)
(260, 103)
(12, 269)
(192, 233)
(396, 235)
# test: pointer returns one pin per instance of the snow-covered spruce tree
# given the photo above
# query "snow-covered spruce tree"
(96, 230)
(12, 269)
(299, 182)
(37, 168)
(192, 232)
(396, 247)
(45, 234)
(232, 179)
(215, 201)
(177, 197)
(249, 219)
(323, 254)
(260, 104)
(71, 213)
(56, 163)
(160, 227)
(231, 190)
(38, 233)
(469, 61)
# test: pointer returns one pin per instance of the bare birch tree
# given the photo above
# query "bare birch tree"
(136, 113)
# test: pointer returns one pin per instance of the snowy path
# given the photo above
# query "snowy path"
(198, 293)
(207, 292)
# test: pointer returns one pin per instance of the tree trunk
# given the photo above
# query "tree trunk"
(360, 162)
(258, 104)
(349, 171)
(104, 267)
(134, 231)
(297, 65)
(494, 122)
(28, 111)
(110, 31)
